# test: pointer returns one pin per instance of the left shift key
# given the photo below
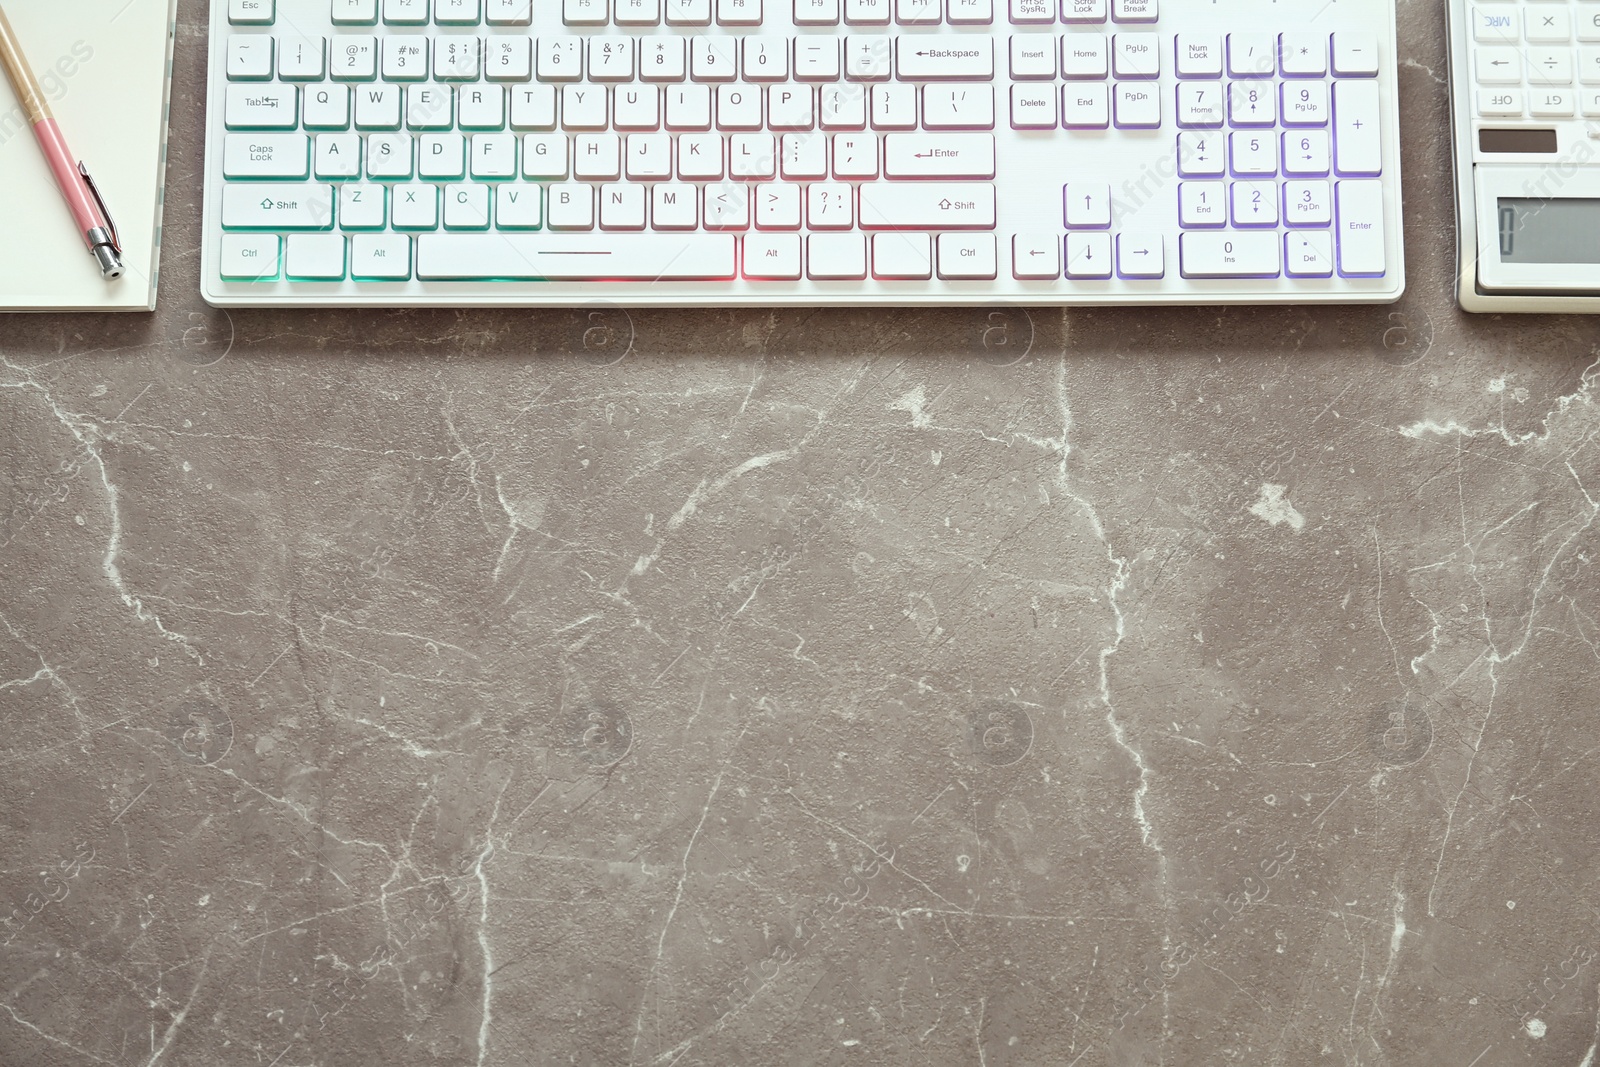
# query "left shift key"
(274, 206)
(266, 155)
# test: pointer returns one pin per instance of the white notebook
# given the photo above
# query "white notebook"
(106, 68)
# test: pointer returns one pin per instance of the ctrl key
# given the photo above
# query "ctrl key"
(250, 257)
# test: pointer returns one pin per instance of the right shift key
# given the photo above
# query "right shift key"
(1360, 228)
(1357, 146)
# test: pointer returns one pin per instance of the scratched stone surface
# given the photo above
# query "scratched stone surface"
(1185, 686)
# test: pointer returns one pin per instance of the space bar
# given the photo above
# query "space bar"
(449, 257)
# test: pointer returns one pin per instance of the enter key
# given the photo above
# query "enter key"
(939, 155)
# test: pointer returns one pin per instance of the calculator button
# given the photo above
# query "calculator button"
(1591, 104)
(1588, 22)
(1499, 66)
(1589, 66)
(1502, 103)
(1495, 24)
(1546, 24)
(1360, 215)
(1550, 66)
(1551, 103)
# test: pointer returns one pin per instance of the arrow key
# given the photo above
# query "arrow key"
(1035, 255)
(1305, 152)
(1088, 255)
(1498, 66)
(1141, 255)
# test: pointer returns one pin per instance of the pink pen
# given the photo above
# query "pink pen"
(89, 212)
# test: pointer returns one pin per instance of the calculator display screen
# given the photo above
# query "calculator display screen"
(1563, 230)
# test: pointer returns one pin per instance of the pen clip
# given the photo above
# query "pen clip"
(105, 212)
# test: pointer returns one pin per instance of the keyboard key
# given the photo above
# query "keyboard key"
(1303, 55)
(509, 12)
(1138, 106)
(1202, 204)
(663, 59)
(493, 156)
(836, 256)
(1307, 204)
(274, 206)
(390, 155)
(1355, 55)
(778, 206)
(314, 257)
(939, 155)
(571, 207)
(1252, 154)
(1136, 55)
(1308, 255)
(969, 12)
(1255, 203)
(1252, 55)
(1088, 256)
(927, 206)
(1200, 155)
(916, 12)
(1083, 11)
(1360, 226)
(1252, 104)
(326, 107)
(262, 107)
(866, 12)
(739, 12)
(405, 12)
(378, 107)
(539, 256)
(1200, 105)
(302, 58)
(1305, 103)
(674, 206)
(518, 206)
(688, 12)
(1198, 55)
(585, 12)
(1358, 150)
(637, 13)
(338, 156)
(772, 256)
(1033, 107)
(804, 156)
(726, 206)
(622, 206)
(957, 107)
(1141, 255)
(457, 12)
(250, 58)
(266, 155)
(1134, 11)
(855, 156)
(249, 257)
(405, 59)
(380, 257)
(362, 206)
(1036, 255)
(816, 12)
(902, 256)
(830, 206)
(1088, 205)
(415, 207)
(1229, 255)
(560, 58)
(251, 12)
(925, 58)
(1085, 55)
(1085, 107)
(1306, 153)
(816, 59)
(355, 12)
(1026, 12)
(1033, 56)
(967, 255)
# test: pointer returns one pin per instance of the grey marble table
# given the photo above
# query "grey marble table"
(1187, 686)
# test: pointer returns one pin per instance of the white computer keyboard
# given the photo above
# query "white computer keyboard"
(1525, 91)
(712, 152)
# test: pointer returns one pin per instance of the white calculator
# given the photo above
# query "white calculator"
(1525, 86)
